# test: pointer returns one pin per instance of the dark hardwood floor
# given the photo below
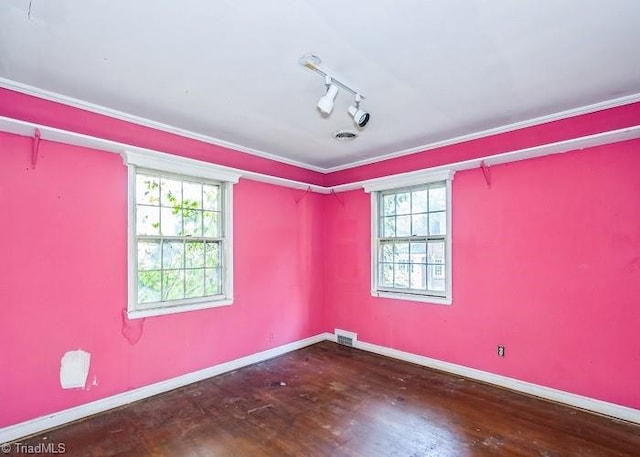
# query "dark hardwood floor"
(330, 400)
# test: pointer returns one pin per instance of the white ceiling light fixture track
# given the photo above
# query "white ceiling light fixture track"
(325, 104)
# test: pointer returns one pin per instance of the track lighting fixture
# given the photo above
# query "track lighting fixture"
(360, 117)
(325, 104)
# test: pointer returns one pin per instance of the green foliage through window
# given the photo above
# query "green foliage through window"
(179, 238)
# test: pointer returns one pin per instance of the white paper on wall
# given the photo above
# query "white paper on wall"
(74, 368)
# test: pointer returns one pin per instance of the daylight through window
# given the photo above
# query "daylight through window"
(411, 242)
(179, 238)
(180, 234)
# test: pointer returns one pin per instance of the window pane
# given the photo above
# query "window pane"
(386, 274)
(194, 254)
(403, 226)
(147, 220)
(401, 275)
(183, 266)
(406, 258)
(148, 286)
(403, 203)
(191, 195)
(418, 252)
(211, 196)
(192, 222)
(194, 283)
(388, 226)
(401, 252)
(147, 190)
(213, 283)
(211, 222)
(419, 201)
(171, 221)
(171, 193)
(386, 252)
(212, 254)
(388, 205)
(148, 255)
(438, 198)
(437, 223)
(172, 285)
(435, 278)
(436, 252)
(172, 254)
(419, 276)
(419, 225)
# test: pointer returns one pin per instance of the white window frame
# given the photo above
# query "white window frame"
(375, 187)
(183, 168)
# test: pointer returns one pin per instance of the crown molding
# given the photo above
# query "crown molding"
(103, 110)
(587, 109)
(24, 128)
(99, 109)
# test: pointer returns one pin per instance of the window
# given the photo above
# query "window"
(180, 243)
(411, 237)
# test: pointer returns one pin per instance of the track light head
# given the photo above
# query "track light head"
(360, 117)
(325, 104)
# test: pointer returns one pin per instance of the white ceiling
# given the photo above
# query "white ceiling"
(228, 70)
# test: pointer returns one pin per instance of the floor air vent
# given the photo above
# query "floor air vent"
(346, 338)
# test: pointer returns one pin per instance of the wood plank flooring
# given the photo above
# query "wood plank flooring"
(330, 400)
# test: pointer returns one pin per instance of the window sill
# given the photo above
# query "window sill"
(412, 297)
(151, 312)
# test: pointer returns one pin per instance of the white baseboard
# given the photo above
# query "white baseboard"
(40, 424)
(578, 401)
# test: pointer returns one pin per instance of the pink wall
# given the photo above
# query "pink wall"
(31, 109)
(63, 280)
(546, 262)
(551, 132)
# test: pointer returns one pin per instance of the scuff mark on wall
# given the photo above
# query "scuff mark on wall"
(132, 329)
(74, 368)
(94, 383)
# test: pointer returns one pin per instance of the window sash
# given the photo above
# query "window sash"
(220, 272)
(189, 170)
(183, 239)
(216, 269)
(439, 269)
(434, 265)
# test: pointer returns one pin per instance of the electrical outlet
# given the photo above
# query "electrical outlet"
(501, 350)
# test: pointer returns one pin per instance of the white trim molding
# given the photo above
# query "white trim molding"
(412, 178)
(49, 421)
(120, 115)
(183, 168)
(40, 424)
(24, 128)
(587, 109)
(180, 165)
(390, 183)
(27, 129)
(547, 393)
(99, 109)
(559, 147)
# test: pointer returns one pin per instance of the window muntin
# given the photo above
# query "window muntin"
(411, 241)
(180, 240)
